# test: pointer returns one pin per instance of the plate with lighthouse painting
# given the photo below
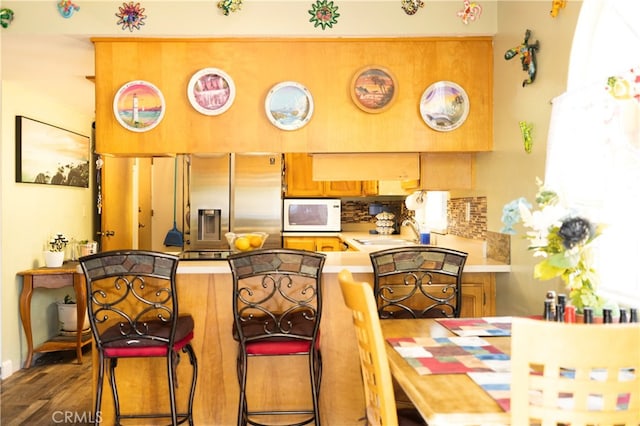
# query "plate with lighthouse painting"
(139, 106)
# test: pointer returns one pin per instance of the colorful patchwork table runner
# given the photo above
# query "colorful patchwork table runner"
(484, 327)
(450, 355)
(497, 385)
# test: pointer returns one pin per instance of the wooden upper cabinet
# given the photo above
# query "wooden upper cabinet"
(444, 172)
(255, 65)
(300, 183)
(298, 176)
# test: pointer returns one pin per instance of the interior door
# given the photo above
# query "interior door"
(144, 204)
(117, 201)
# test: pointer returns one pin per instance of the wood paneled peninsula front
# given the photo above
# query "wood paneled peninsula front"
(205, 292)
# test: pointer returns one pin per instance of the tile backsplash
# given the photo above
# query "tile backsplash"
(474, 228)
(357, 212)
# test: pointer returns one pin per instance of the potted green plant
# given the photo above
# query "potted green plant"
(68, 315)
(86, 247)
(54, 250)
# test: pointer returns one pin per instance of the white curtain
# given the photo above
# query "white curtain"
(593, 148)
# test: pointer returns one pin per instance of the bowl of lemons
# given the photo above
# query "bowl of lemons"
(247, 241)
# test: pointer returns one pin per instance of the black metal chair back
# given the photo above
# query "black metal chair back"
(277, 306)
(132, 306)
(418, 282)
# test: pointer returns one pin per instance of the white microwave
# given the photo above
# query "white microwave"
(312, 214)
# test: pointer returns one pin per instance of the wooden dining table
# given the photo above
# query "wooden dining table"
(442, 399)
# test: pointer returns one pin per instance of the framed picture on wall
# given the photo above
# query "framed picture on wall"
(50, 155)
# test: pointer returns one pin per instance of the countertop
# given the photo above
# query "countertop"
(359, 261)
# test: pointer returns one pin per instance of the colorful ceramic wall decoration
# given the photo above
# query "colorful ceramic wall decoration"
(6, 16)
(527, 54)
(324, 14)
(131, 16)
(470, 12)
(67, 8)
(410, 7)
(211, 91)
(228, 6)
(556, 5)
(373, 89)
(139, 106)
(525, 129)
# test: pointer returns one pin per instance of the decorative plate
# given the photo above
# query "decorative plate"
(139, 106)
(373, 89)
(289, 105)
(211, 91)
(444, 106)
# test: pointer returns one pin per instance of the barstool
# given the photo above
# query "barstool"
(133, 311)
(277, 305)
(418, 281)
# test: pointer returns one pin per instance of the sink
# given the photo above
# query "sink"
(384, 241)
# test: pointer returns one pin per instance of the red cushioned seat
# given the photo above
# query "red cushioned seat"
(132, 347)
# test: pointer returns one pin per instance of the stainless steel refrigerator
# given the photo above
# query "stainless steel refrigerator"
(233, 192)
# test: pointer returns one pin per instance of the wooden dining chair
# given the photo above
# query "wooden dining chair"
(132, 305)
(577, 374)
(277, 307)
(380, 402)
(418, 281)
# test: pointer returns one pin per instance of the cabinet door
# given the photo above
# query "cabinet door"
(328, 244)
(370, 187)
(472, 300)
(298, 176)
(339, 188)
(300, 183)
(443, 172)
(300, 243)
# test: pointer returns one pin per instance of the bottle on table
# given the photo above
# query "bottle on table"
(588, 315)
(623, 315)
(548, 312)
(570, 313)
(560, 307)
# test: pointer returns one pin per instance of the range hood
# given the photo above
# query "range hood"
(366, 166)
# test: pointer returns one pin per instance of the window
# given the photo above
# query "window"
(432, 213)
(593, 153)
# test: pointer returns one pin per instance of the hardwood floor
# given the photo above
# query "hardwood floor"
(56, 390)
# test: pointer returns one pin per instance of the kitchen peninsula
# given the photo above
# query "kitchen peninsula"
(205, 292)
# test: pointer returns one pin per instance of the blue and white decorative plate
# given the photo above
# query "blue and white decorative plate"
(289, 105)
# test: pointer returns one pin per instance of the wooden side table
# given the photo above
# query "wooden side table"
(64, 276)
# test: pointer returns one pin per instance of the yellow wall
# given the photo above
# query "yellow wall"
(509, 172)
(32, 212)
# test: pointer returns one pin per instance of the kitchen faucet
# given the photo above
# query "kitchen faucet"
(414, 227)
